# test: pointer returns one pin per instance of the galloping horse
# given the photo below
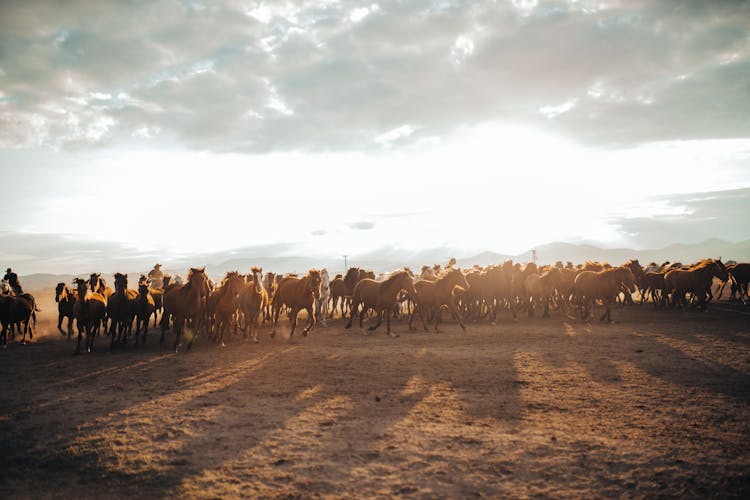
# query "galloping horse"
(297, 293)
(696, 280)
(90, 310)
(604, 285)
(382, 296)
(542, 288)
(121, 307)
(222, 304)
(145, 306)
(432, 296)
(342, 289)
(66, 299)
(269, 285)
(252, 300)
(184, 303)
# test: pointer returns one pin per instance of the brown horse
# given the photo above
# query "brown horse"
(185, 304)
(297, 294)
(604, 285)
(222, 305)
(696, 280)
(501, 287)
(252, 300)
(342, 289)
(90, 310)
(144, 307)
(432, 296)
(66, 299)
(543, 288)
(269, 286)
(382, 297)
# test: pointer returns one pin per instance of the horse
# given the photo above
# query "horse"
(90, 310)
(740, 277)
(252, 300)
(121, 307)
(653, 286)
(542, 288)
(297, 293)
(605, 285)
(17, 311)
(342, 289)
(382, 296)
(501, 288)
(432, 296)
(697, 280)
(269, 286)
(66, 299)
(222, 304)
(184, 302)
(321, 304)
(145, 306)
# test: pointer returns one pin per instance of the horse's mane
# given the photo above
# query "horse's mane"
(387, 284)
(256, 269)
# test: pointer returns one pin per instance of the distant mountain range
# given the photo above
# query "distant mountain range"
(389, 258)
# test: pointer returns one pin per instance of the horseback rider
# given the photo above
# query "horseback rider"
(12, 279)
(156, 276)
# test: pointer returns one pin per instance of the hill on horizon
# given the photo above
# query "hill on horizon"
(389, 259)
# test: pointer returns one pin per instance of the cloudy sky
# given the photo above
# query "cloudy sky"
(330, 127)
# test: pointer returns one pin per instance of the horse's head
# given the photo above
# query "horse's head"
(233, 281)
(121, 282)
(94, 281)
(143, 289)
(81, 285)
(4, 287)
(406, 282)
(625, 276)
(59, 291)
(457, 278)
(314, 282)
(720, 270)
(197, 276)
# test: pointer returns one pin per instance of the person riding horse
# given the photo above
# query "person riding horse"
(12, 279)
(156, 276)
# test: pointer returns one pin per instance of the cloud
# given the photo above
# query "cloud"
(691, 218)
(321, 75)
(319, 232)
(363, 225)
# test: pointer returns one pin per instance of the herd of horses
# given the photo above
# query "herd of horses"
(240, 303)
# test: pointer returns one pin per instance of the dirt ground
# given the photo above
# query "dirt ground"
(657, 404)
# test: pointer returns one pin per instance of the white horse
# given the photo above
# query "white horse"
(321, 305)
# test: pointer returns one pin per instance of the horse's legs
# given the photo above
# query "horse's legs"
(455, 314)
(379, 322)
(293, 319)
(80, 335)
(351, 316)
(310, 320)
(275, 310)
(546, 307)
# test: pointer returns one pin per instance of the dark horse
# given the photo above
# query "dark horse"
(121, 307)
(185, 303)
(144, 308)
(382, 296)
(66, 299)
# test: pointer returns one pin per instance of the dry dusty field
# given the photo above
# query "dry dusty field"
(655, 405)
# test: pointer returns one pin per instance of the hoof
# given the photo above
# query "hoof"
(255, 340)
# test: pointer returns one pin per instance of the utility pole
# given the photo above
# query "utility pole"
(533, 256)
(346, 265)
